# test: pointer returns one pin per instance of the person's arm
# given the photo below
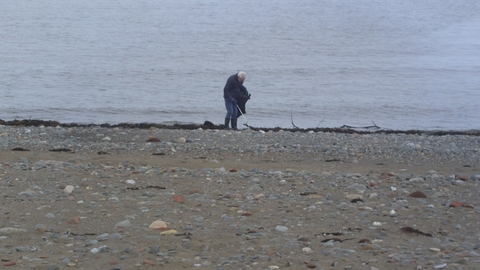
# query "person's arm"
(228, 89)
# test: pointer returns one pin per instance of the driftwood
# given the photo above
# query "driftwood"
(20, 149)
(291, 119)
(367, 127)
(414, 231)
(62, 150)
(145, 187)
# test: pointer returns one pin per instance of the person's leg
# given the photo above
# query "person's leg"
(230, 108)
(234, 115)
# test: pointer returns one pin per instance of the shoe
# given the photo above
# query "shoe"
(227, 122)
(234, 124)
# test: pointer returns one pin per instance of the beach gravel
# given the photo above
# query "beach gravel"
(126, 198)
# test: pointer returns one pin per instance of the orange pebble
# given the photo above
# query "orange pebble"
(10, 263)
(148, 262)
(456, 204)
(179, 198)
(75, 220)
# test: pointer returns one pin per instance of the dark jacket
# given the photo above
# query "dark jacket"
(234, 89)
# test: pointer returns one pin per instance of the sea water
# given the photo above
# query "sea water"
(315, 63)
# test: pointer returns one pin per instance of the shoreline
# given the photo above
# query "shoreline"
(211, 126)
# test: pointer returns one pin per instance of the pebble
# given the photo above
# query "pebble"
(11, 230)
(68, 189)
(418, 194)
(122, 224)
(353, 196)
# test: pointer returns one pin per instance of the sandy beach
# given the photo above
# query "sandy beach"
(126, 198)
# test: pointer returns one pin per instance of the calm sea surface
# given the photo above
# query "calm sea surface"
(323, 63)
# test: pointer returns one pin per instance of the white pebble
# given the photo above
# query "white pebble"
(130, 182)
(68, 189)
(307, 250)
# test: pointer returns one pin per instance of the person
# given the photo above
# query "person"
(234, 93)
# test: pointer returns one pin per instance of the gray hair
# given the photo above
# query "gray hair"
(242, 74)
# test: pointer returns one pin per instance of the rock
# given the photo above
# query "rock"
(115, 236)
(418, 194)
(281, 229)
(353, 196)
(10, 263)
(68, 189)
(153, 139)
(456, 204)
(307, 250)
(74, 220)
(416, 180)
(179, 198)
(147, 194)
(158, 224)
(357, 187)
(11, 230)
(148, 262)
(103, 237)
(169, 232)
(122, 224)
(182, 140)
(259, 196)
(41, 228)
(466, 205)
(153, 249)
